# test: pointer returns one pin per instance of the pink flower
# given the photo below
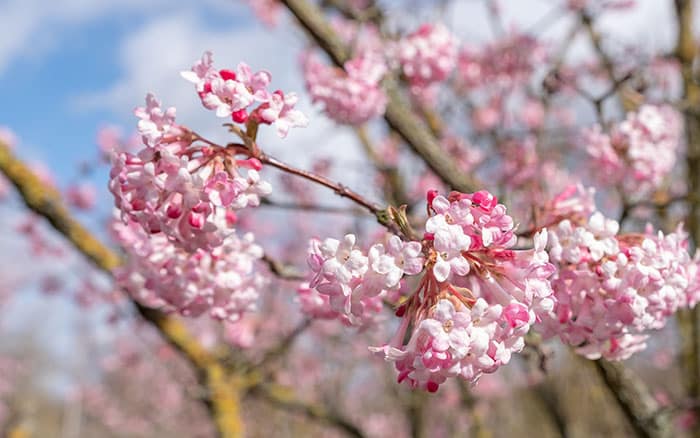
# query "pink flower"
(477, 298)
(354, 283)
(233, 94)
(611, 289)
(222, 282)
(279, 110)
(154, 123)
(352, 95)
(267, 11)
(505, 63)
(639, 152)
(427, 55)
(187, 190)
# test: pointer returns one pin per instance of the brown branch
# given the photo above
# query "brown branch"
(280, 397)
(374, 208)
(223, 402)
(635, 400)
(689, 320)
(371, 13)
(282, 271)
(398, 114)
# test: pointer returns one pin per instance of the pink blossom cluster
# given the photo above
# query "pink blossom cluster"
(351, 95)
(355, 283)
(234, 93)
(504, 63)
(476, 299)
(427, 55)
(222, 282)
(611, 288)
(640, 151)
(186, 190)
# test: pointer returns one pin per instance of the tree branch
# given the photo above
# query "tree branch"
(689, 320)
(638, 405)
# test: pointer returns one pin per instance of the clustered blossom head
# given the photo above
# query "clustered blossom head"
(477, 299)
(474, 303)
(234, 93)
(349, 285)
(351, 95)
(175, 185)
(505, 63)
(611, 288)
(427, 55)
(222, 282)
(640, 151)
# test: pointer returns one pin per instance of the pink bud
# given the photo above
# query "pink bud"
(240, 116)
(432, 386)
(431, 195)
(227, 75)
(196, 220)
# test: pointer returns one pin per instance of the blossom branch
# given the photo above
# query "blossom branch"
(398, 115)
(635, 400)
(45, 201)
(339, 189)
(689, 321)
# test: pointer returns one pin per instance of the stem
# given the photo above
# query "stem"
(339, 189)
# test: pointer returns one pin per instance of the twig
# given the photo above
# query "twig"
(374, 208)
